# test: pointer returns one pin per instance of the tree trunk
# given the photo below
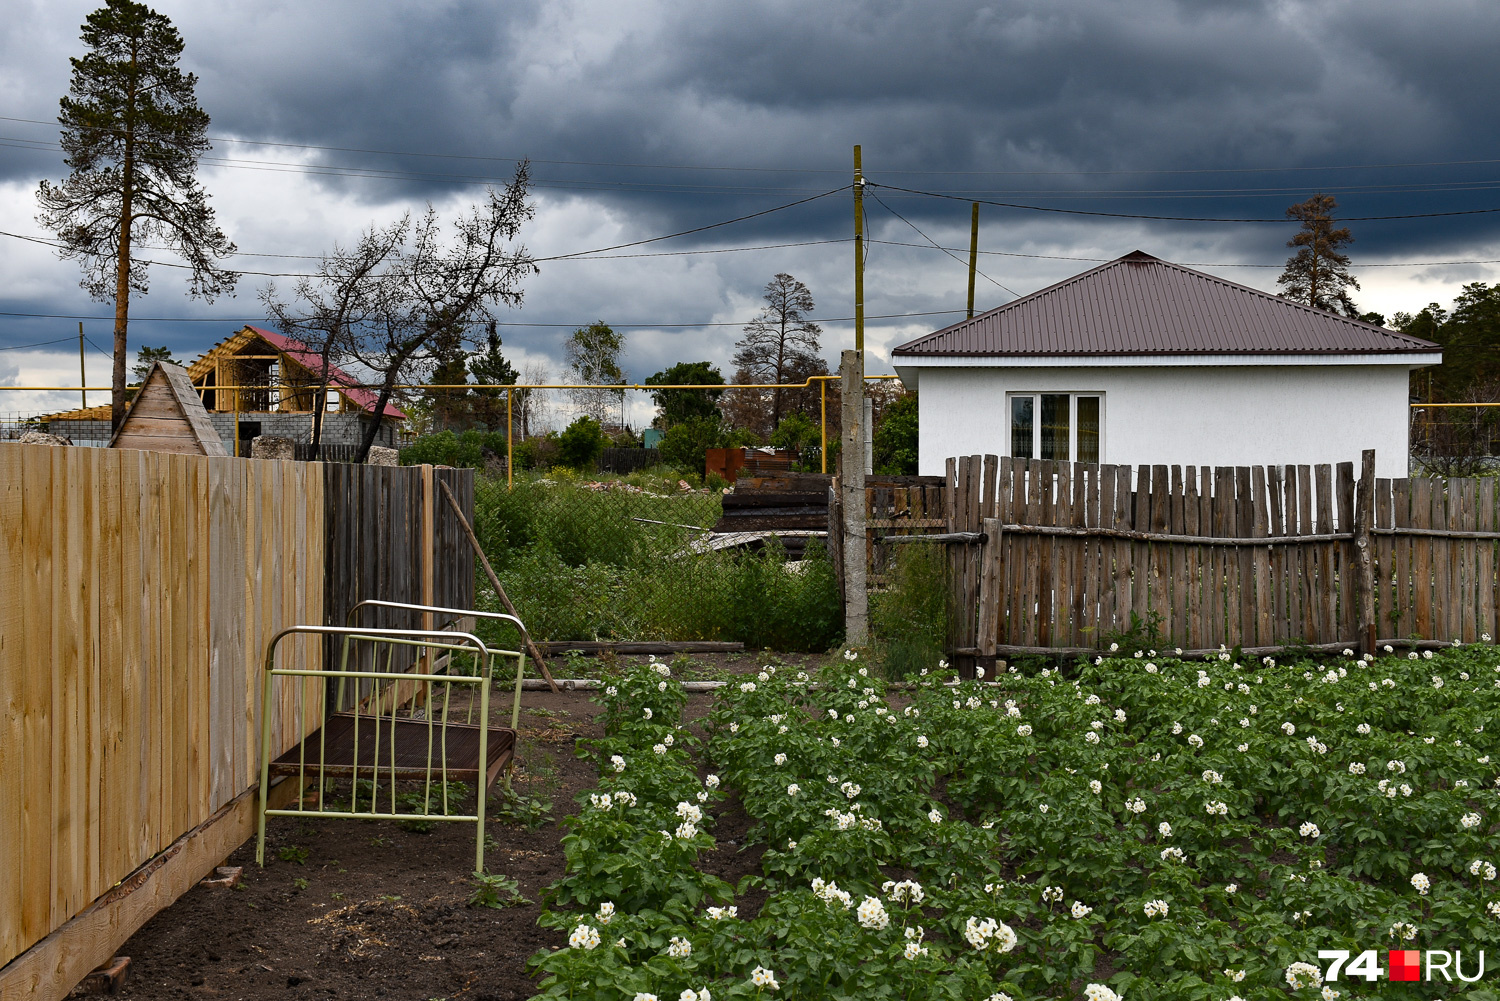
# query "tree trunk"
(122, 265)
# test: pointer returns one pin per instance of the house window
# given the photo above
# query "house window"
(1064, 426)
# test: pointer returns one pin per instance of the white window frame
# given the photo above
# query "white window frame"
(1036, 419)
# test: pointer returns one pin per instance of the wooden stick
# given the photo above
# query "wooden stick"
(536, 654)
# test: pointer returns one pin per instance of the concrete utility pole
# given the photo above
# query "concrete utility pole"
(852, 497)
(852, 452)
(973, 255)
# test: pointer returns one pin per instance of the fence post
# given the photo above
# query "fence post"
(989, 592)
(852, 489)
(1364, 517)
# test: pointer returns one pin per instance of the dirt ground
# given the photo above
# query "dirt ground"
(376, 911)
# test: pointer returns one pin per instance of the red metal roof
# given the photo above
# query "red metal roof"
(308, 359)
(1142, 305)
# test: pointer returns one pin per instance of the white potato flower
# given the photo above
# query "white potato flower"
(1300, 975)
(1470, 820)
(1216, 808)
(1309, 830)
(1421, 883)
(872, 914)
(646, 712)
(934, 816)
(659, 748)
(1136, 805)
(780, 759)
(1288, 728)
(793, 789)
(1164, 829)
(1091, 737)
(1156, 908)
(606, 912)
(762, 977)
(1095, 786)
(1173, 854)
(584, 937)
(922, 740)
(1099, 992)
(1195, 740)
(1356, 768)
(1242, 748)
(1212, 777)
(1024, 730)
(1079, 910)
(1235, 975)
(1176, 728)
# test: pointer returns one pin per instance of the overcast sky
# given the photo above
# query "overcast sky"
(644, 118)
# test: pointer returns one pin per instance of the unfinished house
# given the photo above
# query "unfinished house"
(271, 387)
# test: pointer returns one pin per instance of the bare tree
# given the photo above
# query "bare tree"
(440, 289)
(1318, 275)
(342, 298)
(133, 132)
(779, 343)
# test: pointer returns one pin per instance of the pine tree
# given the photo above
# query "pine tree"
(1317, 274)
(133, 133)
(779, 344)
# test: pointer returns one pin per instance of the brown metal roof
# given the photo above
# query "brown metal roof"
(1142, 305)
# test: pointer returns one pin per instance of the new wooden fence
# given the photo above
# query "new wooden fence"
(1060, 556)
(138, 591)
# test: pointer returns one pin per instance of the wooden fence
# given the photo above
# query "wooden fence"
(1057, 557)
(138, 591)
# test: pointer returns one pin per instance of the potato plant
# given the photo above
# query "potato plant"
(1140, 826)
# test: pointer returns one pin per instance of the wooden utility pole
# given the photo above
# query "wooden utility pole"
(83, 380)
(852, 454)
(973, 256)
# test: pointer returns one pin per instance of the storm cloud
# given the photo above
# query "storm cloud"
(652, 117)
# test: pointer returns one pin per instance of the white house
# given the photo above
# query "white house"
(1140, 361)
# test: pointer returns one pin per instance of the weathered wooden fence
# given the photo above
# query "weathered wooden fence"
(1057, 557)
(138, 591)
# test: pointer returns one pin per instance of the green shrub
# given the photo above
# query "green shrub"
(445, 448)
(580, 446)
(895, 440)
(911, 619)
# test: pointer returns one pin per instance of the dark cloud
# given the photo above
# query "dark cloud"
(1147, 106)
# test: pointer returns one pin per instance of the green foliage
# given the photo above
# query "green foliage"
(146, 357)
(530, 812)
(794, 432)
(293, 853)
(1470, 335)
(1138, 818)
(496, 890)
(895, 441)
(581, 444)
(911, 617)
(490, 367)
(679, 405)
(685, 445)
(299, 884)
(465, 448)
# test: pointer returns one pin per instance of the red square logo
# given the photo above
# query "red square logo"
(1406, 964)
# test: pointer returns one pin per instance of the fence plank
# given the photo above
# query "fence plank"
(1078, 553)
(1276, 558)
(1244, 520)
(13, 690)
(1192, 633)
(1346, 615)
(1265, 631)
(1124, 581)
(1485, 562)
(1442, 607)
(1062, 579)
(36, 784)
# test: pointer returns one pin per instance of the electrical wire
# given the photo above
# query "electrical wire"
(21, 347)
(1186, 264)
(823, 170)
(1167, 218)
(938, 246)
(506, 323)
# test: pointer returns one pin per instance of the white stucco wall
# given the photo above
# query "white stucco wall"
(1233, 415)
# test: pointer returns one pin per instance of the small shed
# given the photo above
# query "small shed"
(167, 416)
(1141, 361)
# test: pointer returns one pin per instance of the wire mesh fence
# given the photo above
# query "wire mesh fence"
(632, 559)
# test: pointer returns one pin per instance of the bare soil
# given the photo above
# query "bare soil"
(383, 912)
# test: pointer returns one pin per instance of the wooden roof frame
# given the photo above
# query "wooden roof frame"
(194, 414)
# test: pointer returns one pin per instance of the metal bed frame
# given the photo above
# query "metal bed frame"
(404, 730)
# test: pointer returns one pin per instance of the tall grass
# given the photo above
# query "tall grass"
(581, 564)
(910, 620)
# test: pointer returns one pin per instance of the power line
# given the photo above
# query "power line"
(508, 323)
(21, 347)
(1186, 264)
(1166, 218)
(935, 244)
(821, 170)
